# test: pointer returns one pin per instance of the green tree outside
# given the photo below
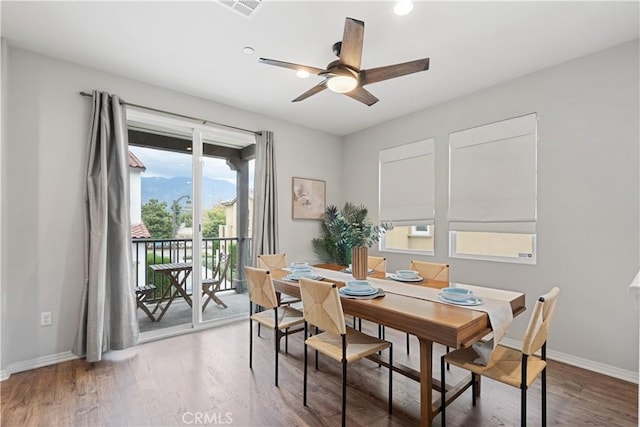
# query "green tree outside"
(158, 219)
(212, 218)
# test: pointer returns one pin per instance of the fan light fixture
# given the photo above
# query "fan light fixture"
(342, 84)
(403, 7)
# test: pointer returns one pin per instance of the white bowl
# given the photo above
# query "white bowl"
(357, 284)
(456, 294)
(407, 274)
(299, 265)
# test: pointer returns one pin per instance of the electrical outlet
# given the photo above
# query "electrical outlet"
(45, 318)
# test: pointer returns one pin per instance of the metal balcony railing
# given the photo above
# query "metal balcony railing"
(164, 251)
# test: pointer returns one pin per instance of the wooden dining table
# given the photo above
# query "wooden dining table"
(177, 284)
(430, 321)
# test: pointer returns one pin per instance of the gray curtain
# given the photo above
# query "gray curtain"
(265, 210)
(108, 314)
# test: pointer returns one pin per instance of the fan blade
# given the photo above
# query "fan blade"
(291, 66)
(316, 89)
(351, 50)
(362, 95)
(375, 75)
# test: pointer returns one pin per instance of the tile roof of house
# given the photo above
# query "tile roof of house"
(135, 162)
(140, 231)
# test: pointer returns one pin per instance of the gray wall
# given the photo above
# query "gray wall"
(588, 195)
(42, 196)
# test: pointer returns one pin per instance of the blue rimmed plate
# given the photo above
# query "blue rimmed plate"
(469, 302)
(358, 292)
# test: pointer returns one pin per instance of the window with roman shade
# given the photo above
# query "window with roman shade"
(492, 187)
(406, 196)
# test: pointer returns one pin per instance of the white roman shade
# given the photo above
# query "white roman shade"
(492, 177)
(407, 184)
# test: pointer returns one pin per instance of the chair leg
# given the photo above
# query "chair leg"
(275, 350)
(286, 340)
(443, 392)
(544, 397)
(448, 366)
(344, 393)
(523, 403)
(304, 393)
(391, 378)
(250, 337)
(407, 343)
(474, 385)
(317, 331)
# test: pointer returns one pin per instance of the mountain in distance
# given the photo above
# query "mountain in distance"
(170, 189)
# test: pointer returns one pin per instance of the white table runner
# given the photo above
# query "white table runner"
(496, 304)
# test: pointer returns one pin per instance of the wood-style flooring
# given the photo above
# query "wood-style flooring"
(204, 379)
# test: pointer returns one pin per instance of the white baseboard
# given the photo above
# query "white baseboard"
(38, 362)
(579, 362)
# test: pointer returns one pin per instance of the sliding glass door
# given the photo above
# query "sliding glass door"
(190, 211)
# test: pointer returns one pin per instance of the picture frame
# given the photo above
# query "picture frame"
(308, 198)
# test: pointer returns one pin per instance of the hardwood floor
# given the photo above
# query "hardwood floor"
(204, 379)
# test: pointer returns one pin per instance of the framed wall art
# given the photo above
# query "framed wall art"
(308, 198)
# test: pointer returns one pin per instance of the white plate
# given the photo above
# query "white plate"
(348, 270)
(471, 301)
(358, 293)
(404, 279)
(294, 278)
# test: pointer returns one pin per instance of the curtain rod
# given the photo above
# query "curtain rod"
(204, 121)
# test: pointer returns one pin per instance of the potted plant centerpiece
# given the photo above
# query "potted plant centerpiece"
(345, 237)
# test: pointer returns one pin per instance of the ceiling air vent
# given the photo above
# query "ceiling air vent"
(243, 7)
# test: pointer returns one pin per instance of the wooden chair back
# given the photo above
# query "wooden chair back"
(261, 290)
(222, 266)
(377, 264)
(321, 305)
(431, 270)
(271, 261)
(538, 329)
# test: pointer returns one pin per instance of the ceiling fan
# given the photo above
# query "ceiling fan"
(344, 75)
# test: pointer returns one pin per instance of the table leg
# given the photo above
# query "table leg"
(426, 373)
(182, 287)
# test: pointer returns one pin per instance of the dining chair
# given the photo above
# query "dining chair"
(276, 261)
(322, 308)
(379, 265)
(430, 271)
(517, 368)
(279, 318)
(212, 284)
(271, 261)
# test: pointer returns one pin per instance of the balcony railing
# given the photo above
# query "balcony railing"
(147, 252)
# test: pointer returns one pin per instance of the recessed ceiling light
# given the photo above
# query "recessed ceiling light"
(248, 50)
(403, 7)
(303, 74)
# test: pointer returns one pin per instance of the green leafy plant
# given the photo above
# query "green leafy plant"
(344, 229)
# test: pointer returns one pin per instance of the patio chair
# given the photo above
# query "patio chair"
(212, 284)
(322, 308)
(517, 368)
(143, 293)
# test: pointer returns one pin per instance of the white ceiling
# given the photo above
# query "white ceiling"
(196, 47)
